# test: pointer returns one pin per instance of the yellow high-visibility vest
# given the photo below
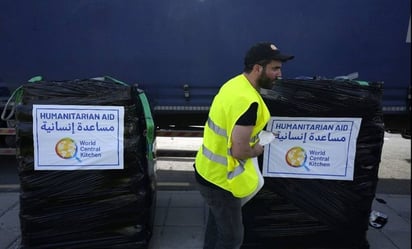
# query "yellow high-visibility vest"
(213, 160)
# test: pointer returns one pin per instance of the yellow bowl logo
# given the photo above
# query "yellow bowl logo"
(296, 157)
(66, 148)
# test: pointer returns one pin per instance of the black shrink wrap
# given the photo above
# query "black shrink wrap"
(318, 213)
(85, 208)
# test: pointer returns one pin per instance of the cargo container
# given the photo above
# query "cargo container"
(181, 51)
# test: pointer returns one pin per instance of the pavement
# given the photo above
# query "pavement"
(180, 220)
(181, 215)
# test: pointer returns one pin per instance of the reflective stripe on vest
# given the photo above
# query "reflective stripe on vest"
(222, 132)
(213, 157)
(214, 127)
(238, 170)
(254, 139)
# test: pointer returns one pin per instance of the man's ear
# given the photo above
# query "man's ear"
(257, 68)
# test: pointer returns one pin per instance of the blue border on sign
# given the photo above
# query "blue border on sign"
(83, 165)
(314, 174)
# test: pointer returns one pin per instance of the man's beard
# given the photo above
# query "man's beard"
(265, 82)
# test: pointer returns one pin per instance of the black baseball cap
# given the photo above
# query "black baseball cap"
(265, 51)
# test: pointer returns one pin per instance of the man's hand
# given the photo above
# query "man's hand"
(258, 149)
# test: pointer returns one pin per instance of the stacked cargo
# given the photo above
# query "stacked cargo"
(320, 213)
(71, 196)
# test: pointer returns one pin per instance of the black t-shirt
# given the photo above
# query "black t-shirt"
(248, 118)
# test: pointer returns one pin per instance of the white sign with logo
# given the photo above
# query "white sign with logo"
(76, 137)
(315, 148)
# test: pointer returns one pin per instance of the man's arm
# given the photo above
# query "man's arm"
(240, 143)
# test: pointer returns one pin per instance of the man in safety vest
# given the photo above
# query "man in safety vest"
(223, 166)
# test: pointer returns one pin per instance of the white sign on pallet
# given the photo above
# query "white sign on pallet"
(314, 148)
(78, 137)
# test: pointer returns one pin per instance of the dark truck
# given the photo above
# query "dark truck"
(180, 51)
